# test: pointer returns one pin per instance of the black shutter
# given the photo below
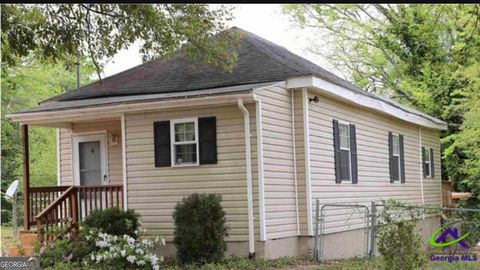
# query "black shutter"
(391, 160)
(336, 145)
(402, 160)
(423, 162)
(432, 166)
(353, 153)
(161, 133)
(208, 140)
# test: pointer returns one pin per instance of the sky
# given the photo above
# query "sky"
(264, 20)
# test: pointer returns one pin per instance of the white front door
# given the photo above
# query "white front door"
(90, 159)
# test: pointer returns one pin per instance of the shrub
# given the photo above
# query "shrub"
(125, 252)
(65, 249)
(114, 221)
(200, 229)
(399, 242)
(93, 249)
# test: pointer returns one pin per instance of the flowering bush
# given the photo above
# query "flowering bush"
(123, 251)
(92, 247)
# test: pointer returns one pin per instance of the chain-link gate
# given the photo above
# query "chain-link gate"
(343, 229)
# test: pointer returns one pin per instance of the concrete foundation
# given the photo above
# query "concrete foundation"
(341, 245)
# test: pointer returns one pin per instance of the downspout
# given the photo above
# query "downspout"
(261, 183)
(124, 162)
(421, 167)
(248, 164)
(295, 160)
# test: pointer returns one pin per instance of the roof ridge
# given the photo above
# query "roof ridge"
(269, 53)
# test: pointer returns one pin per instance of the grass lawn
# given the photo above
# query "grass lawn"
(7, 240)
(294, 263)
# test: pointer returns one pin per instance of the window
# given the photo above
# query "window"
(345, 161)
(184, 138)
(396, 157)
(427, 162)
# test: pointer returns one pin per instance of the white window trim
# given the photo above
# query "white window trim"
(340, 122)
(173, 143)
(397, 155)
(86, 137)
(429, 162)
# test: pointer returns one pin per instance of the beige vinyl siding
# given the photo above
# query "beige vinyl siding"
(154, 192)
(432, 190)
(66, 178)
(373, 160)
(278, 159)
(114, 154)
(300, 149)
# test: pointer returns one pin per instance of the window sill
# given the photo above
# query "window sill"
(185, 165)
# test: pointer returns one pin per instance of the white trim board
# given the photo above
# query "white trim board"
(306, 141)
(378, 104)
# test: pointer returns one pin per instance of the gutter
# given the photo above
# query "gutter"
(248, 164)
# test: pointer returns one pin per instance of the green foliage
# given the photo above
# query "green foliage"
(99, 31)
(64, 250)
(24, 86)
(425, 56)
(114, 221)
(94, 249)
(398, 240)
(200, 229)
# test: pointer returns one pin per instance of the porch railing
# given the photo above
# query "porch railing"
(73, 205)
(41, 197)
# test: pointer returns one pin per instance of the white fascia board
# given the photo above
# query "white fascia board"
(114, 111)
(334, 90)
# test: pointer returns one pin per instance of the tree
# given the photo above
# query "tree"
(61, 31)
(419, 55)
(23, 86)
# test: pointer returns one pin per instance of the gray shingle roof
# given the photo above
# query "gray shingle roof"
(259, 61)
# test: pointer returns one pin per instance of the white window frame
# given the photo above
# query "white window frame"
(347, 149)
(428, 150)
(397, 155)
(173, 143)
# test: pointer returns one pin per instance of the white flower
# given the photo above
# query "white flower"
(139, 251)
(99, 258)
(147, 243)
(161, 258)
(131, 259)
(123, 253)
(156, 267)
(153, 259)
(141, 262)
(163, 242)
(92, 257)
(102, 244)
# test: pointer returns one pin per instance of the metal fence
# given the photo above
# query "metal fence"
(353, 230)
(333, 219)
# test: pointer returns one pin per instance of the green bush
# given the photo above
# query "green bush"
(399, 243)
(114, 221)
(66, 249)
(200, 229)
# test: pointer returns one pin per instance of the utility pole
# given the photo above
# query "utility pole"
(78, 71)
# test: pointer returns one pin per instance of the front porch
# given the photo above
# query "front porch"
(83, 182)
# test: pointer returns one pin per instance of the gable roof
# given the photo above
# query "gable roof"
(259, 62)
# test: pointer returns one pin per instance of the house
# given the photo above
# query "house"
(273, 136)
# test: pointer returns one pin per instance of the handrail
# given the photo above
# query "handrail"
(56, 202)
(74, 204)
